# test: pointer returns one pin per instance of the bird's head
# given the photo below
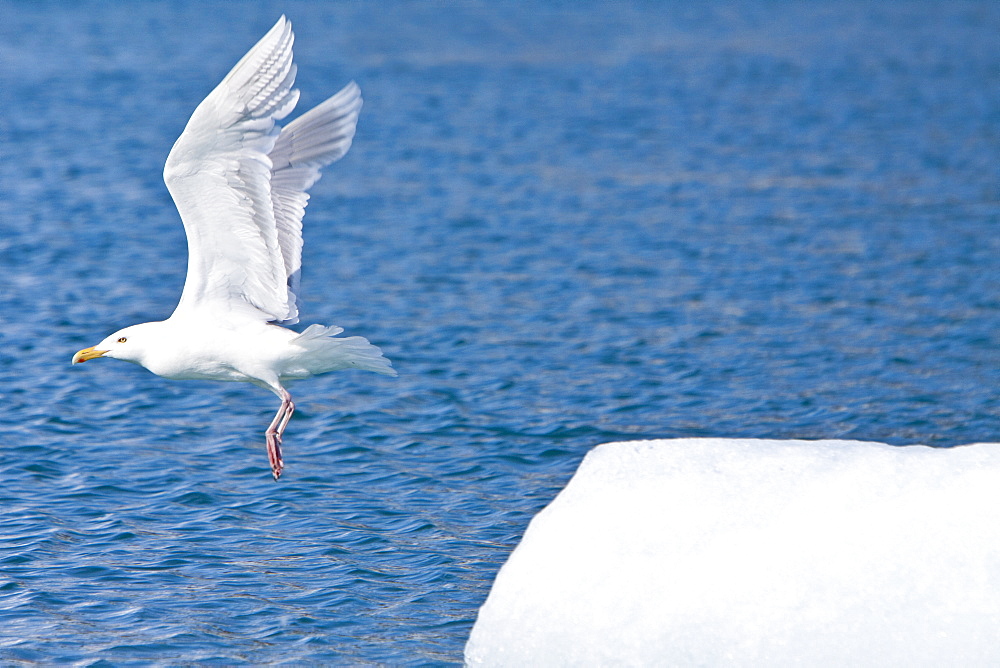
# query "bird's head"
(129, 344)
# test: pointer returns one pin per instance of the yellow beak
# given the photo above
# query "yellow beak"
(87, 354)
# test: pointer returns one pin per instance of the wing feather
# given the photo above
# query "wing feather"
(218, 174)
(313, 140)
(239, 182)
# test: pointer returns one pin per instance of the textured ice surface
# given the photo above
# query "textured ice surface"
(757, 552)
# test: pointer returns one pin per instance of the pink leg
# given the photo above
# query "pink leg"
(274, 432)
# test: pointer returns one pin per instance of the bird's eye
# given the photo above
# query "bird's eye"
(122, 340)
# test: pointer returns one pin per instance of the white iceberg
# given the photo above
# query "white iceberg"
(742, 552)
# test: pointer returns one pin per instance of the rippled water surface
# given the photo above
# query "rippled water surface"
(565, 223)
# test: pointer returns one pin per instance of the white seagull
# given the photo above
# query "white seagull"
(239, 182)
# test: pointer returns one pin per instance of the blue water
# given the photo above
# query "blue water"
(568, 224)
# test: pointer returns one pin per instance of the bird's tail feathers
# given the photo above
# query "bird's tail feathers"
(328, 353)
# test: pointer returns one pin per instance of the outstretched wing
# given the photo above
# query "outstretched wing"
(306, 145)
(239, 182)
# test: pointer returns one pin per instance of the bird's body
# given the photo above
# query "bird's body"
(239, 182)
(249, 351)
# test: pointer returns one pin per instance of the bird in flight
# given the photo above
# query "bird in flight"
(239, 182)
